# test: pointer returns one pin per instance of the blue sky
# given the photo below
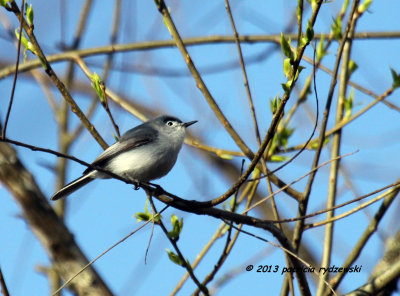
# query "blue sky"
(102, 213)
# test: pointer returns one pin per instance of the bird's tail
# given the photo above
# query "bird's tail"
(73, 186)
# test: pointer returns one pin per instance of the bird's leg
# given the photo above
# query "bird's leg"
(136, 184)
(158, 190)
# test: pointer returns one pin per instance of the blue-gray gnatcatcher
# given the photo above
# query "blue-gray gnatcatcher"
(144, 153)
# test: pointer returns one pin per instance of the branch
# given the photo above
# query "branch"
(61, 87)
(304, 203)
(196, 208)
(378, 283)
(15, 73)
(47, 226)
(173, 242)
(162, 8)
(368, 232)
(4, 289)
(243, 67)
(194, 41)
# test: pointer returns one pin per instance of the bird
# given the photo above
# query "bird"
(142, 154)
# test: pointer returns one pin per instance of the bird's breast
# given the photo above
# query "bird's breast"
(147, 162)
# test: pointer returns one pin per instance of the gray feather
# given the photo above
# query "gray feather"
(146, 152)
(72, 186)
(133, 138)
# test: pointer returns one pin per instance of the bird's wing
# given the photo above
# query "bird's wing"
(133, 138)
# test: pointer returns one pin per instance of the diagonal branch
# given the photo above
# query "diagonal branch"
(58, 83)
(47, 226)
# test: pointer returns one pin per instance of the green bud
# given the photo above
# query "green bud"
(309, 32)
(314, 144)
(177, 226)
(4, 3)
(283, 136)
(278, 158)
(225, 229)
(314, 5)
(274, 104)
(26, 44)
(175, 258)
(336, 28)
(348, 105)
(320, 49)
(287, 68)
(364, 6)
(29, 14)
(344, 6)
(299, 69)
(285, 44)
(140, 216)
(98, 86)
(396, 78)
(286, 86)
(224, 156)
(146, 215)
(352, 67)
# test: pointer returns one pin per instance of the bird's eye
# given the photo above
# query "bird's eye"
(170, 123)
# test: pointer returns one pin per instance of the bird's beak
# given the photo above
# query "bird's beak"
(186, 124)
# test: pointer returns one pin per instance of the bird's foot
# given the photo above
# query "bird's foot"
(136, 185)
(158, 190)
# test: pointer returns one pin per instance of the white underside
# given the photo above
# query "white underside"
(142, 165)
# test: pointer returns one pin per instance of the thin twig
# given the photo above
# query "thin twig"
(339, 205)
(4, 289)
(150, 239)
(295, 181)
(304, 203)
(193, 207)
(106, 67)
(229, 243)
(194, 41)
(271, 130)
(357, 86)
(292, 254)
(178, 251)
(352, 211)
(252, 109)
(162, 8)
(379, 282)
(369, 230)
(58, 83)
(200, 83)
(88, 73)
(238, 269)
(16, 71)
(107, 250)
(224, 254)
(343, 123)
(186, 205)
(243, 67)
(336, 145)
(107, 108)
(218, 234)
(313, 131)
